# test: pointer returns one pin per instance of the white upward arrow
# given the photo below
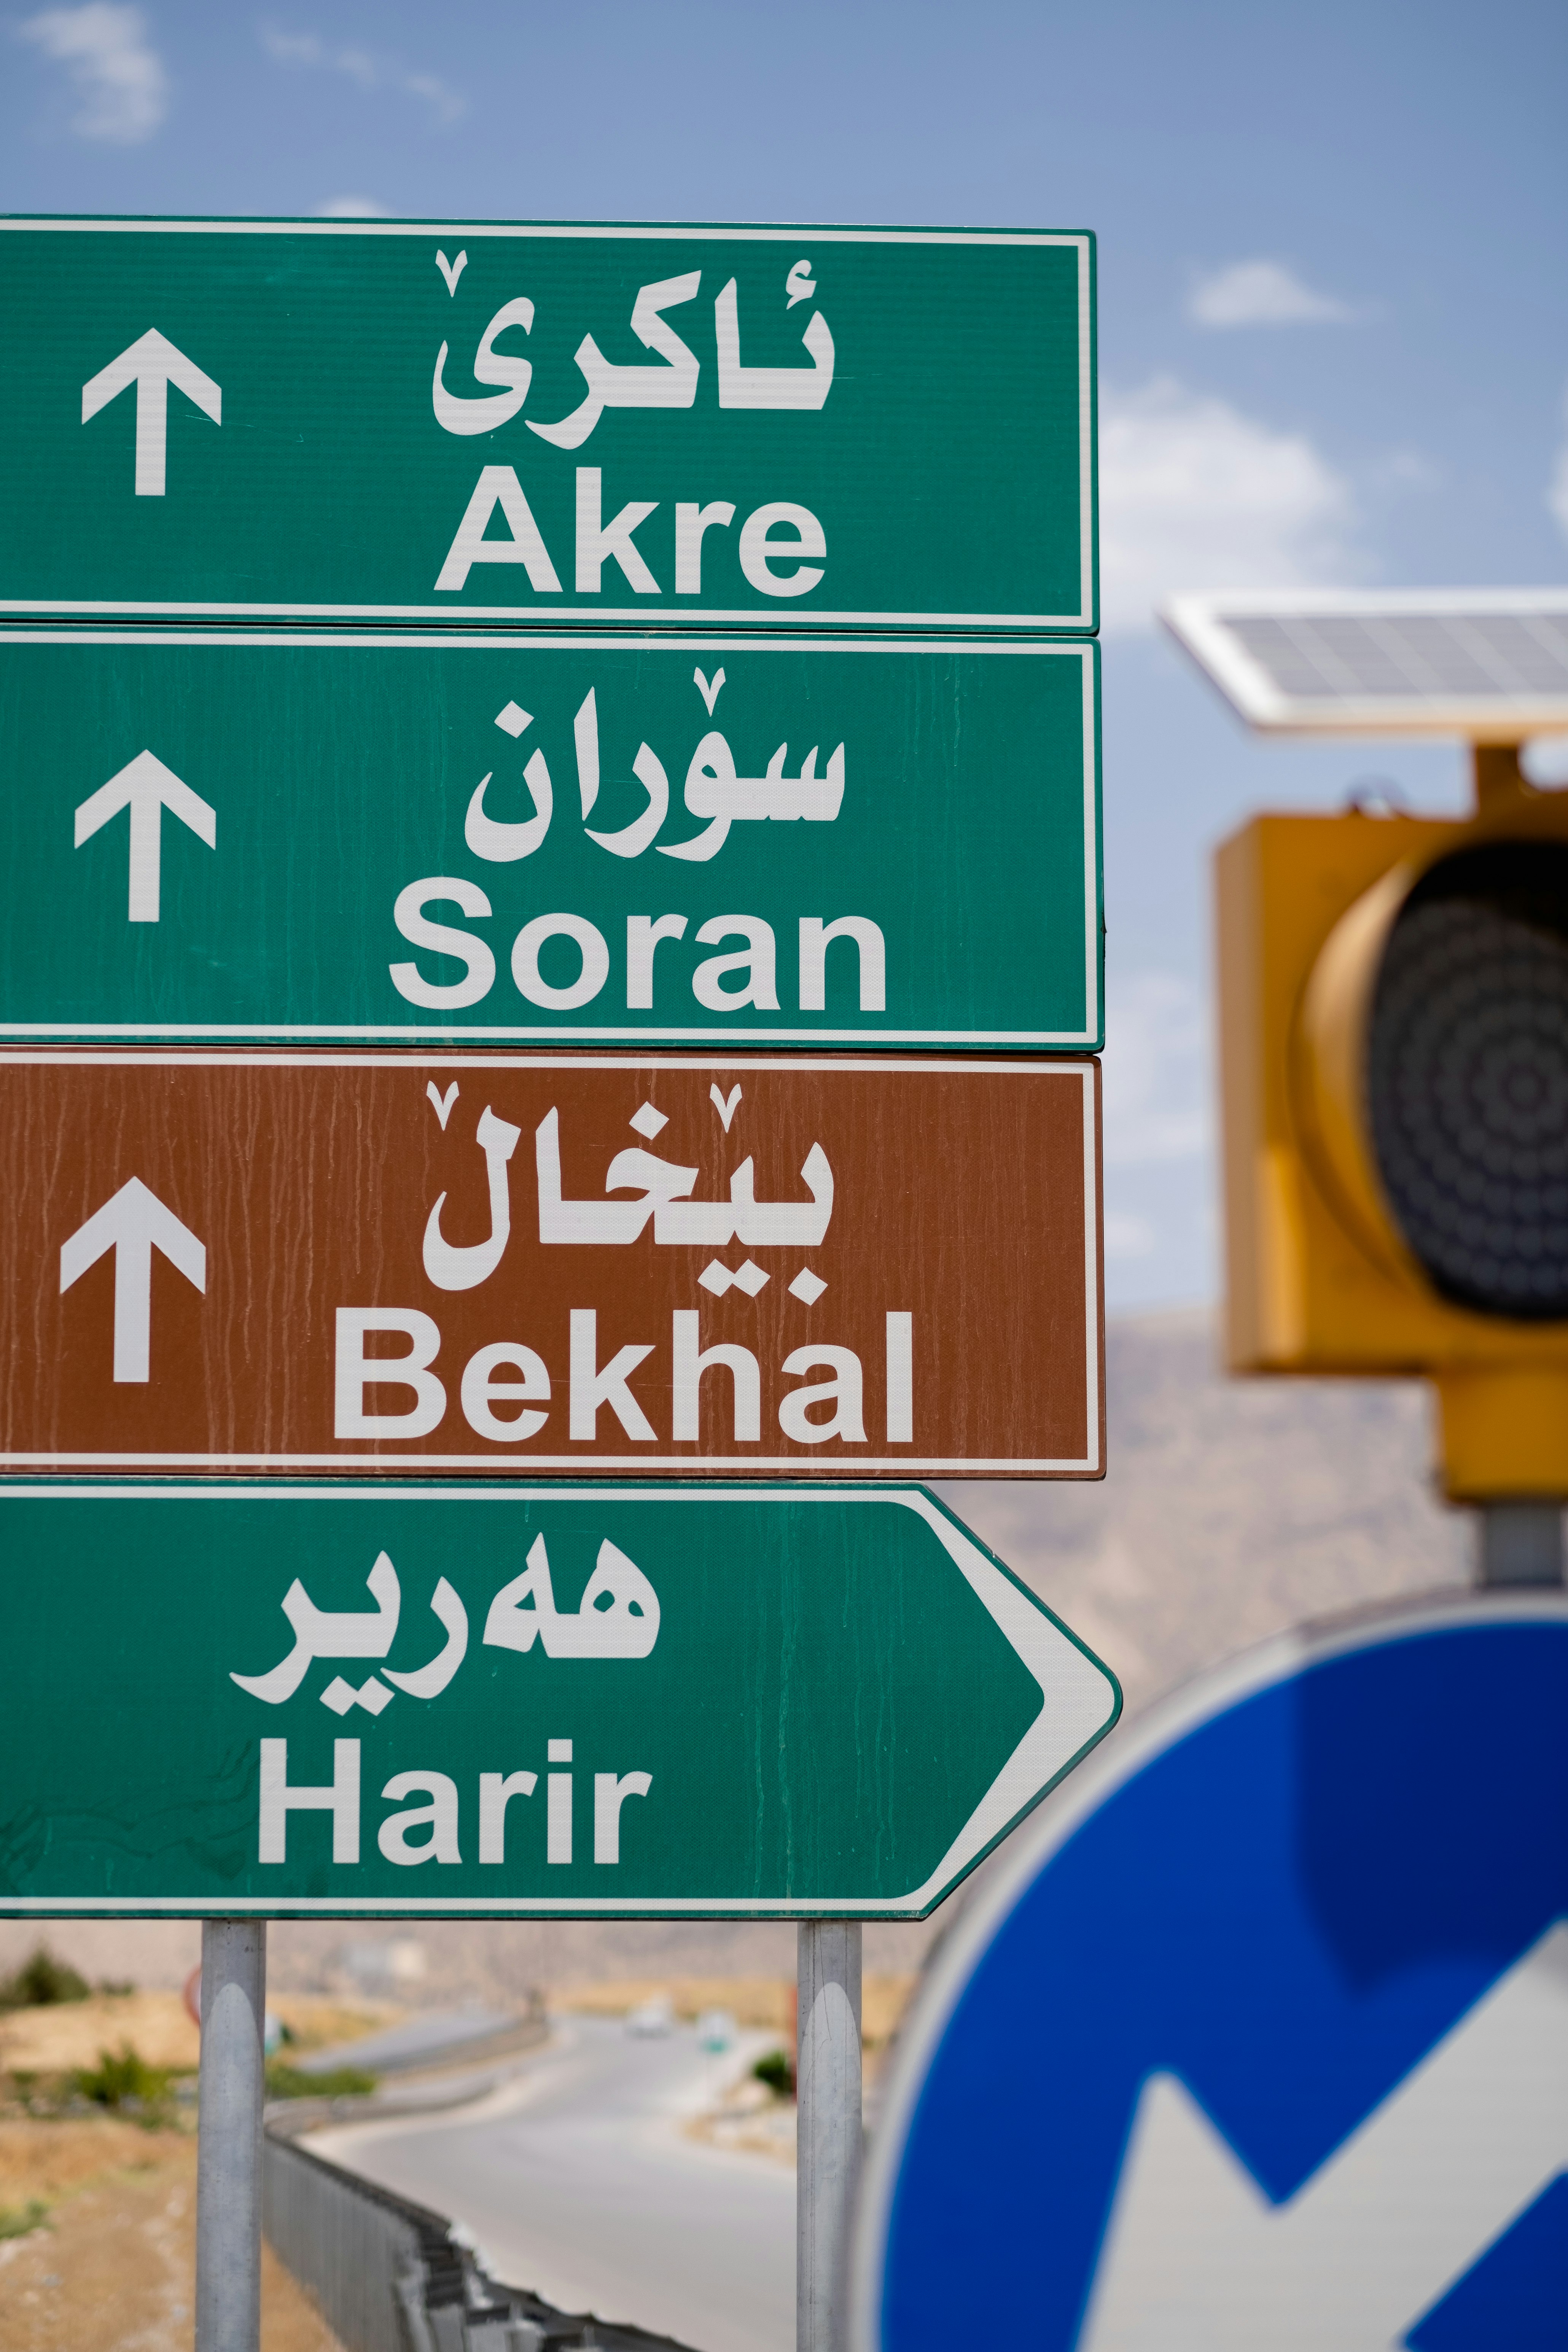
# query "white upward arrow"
(133, 1224)
(151, 364)
(1196, 2259)
(146, 788)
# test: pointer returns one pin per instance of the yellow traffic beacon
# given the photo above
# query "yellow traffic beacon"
(1393, 1018)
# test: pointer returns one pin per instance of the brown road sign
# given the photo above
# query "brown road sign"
(565, 1263)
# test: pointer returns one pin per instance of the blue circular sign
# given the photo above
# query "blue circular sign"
(1263, 2037)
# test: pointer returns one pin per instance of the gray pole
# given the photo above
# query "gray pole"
(1520, 1543)
(829, 2143)
(228, 2152)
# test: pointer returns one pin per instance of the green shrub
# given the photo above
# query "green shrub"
(41, 1981)
(285, 2082)
(19, 2221)
(125, 2081)
(776, 2072)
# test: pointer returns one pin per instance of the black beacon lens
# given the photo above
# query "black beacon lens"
(1467, 1077)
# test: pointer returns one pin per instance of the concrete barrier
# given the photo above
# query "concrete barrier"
(388, 2276)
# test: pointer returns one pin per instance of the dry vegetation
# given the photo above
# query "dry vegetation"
(70, 2033)
(112, 2266)
(97, 2210)
(41, 2048)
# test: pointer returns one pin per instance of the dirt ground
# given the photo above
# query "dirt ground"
(159, 2028)
(113, 2266)
(765, 2002)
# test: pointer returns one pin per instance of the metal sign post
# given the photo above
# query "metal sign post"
(829, 2134)
(228, 2149)
(1520, 1543)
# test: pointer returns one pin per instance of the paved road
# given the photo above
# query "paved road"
(577, 2182)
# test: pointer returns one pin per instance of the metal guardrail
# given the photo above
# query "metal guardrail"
(388, 2276)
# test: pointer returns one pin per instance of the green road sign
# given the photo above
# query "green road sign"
(635, 425)
(690, 841)
(525, 1701)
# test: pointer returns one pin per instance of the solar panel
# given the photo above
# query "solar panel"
(1487, 663)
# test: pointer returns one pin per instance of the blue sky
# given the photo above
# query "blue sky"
(1333, 330)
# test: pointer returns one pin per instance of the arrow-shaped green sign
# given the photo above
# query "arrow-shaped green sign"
(518, 1701)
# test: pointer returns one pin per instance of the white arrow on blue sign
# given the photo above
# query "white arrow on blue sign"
(1263, 2037)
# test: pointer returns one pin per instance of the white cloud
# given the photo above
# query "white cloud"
(1194, 495)
(371, 73)
(1156, 1071)
(1405, 470)
(352, 208)
(105, 49)
(447, 102)
(1557, 488)
(292, 48)
(1262, 294)
(1158, 1135)
(1128, 1236)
